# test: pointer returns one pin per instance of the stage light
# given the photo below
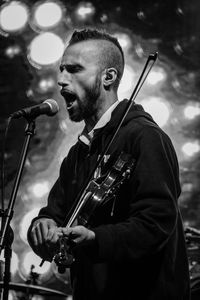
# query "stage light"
(124, 40)
(187, 187)
(191, 148)
(12, 51)
(178, 48)
(39, 189)
(191, 111)
(13, 265)
(30, 260)
(126, 83)
(26, 222)
(158, 109)
(13, 16)
(45, 49)
(84, 10)
(47, 15)
(29, 94)
(156, 76)
(139, 50)
(46, 84)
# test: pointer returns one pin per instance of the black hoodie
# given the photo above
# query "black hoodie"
(139, 250)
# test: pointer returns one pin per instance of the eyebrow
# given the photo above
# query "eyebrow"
(70, 66)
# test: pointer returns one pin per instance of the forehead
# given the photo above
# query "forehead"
(82, 52)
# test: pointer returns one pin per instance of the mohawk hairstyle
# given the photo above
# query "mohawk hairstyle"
(94, 34)
(113, 55)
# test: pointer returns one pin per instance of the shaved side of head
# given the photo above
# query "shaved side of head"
(108, 50)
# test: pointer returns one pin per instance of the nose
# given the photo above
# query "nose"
(63, 79)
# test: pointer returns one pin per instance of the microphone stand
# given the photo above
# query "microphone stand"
(7, 235)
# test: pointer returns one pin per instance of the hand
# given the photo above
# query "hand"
(45, 235)
(78, 234)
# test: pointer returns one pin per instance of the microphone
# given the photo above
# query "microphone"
(49, 107)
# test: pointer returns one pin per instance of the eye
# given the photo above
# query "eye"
(61, 68)
(73, 68)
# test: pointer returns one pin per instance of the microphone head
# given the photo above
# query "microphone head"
(54, 108)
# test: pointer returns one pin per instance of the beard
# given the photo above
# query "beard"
(87, 106)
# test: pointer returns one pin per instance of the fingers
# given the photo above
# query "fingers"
(53, 234)
(34, 236)
(39, 234)
(78, 234)
(67, 231)
(43, 231)
(44, 235)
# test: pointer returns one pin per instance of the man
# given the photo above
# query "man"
(134, 248)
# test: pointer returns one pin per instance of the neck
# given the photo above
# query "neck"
(102, 106)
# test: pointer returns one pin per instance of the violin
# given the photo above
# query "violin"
(98, 192)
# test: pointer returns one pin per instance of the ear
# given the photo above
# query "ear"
(109, 77)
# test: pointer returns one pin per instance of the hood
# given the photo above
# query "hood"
(135, 111)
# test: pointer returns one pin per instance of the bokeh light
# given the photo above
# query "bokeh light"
(13, 16)
(14, 265)
(47, 14)
(12, 51)
(191, 111)
(25, 223)
(191, 148)
(155, 76)
(124, 40)
(30, 259)
(46, 84)
(139, 50)
(39, 189)
(84, 11)
(127, 82)
(45, 49)
(158, 109)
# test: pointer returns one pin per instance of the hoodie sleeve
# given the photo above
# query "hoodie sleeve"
(56, 204)
(153, 188)
(59, 199)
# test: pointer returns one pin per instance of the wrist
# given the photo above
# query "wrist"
(91, 235)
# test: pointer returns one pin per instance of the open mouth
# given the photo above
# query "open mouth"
(69, 98)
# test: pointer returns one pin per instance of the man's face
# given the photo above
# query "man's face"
(80, 80)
